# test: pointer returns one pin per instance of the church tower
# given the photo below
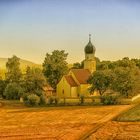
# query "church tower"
(90, 61)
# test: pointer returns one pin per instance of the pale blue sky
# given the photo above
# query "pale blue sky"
(31, 28)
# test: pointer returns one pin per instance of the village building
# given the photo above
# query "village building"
(75, 83)
(48, 91)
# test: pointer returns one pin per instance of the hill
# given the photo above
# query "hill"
(23, 63)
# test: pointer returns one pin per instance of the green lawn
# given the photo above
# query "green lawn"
(131, 115)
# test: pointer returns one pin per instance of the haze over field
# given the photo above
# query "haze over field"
(31, 28)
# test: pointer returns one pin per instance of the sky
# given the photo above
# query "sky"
(32, 28)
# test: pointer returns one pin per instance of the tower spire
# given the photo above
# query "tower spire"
(89, 37)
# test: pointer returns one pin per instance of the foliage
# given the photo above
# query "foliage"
(123, 82)
(55, 66)
(124, 63)
(100, 81)
(32, 100)
(2, 87)
(53, 99)
(132, 115)
(109, 99)
(13, 70)
(78, 65)
(34, 80)
(43, 100)
(13, 91)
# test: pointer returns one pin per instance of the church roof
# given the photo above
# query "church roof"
(70, 80)
(81, 75)
(90, 48)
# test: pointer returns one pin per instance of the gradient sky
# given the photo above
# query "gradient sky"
(31, 28)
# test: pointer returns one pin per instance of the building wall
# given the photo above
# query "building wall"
(90, 65)
(63, 88)
(74, 91)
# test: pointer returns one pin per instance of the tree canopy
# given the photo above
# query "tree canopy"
(13, 73)
(55, 66)
(100, 81)
(34, 80)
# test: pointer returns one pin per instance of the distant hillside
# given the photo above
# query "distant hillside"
(23, 63)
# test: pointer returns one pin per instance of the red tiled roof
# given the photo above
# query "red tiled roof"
(81, 75)
(70, 80)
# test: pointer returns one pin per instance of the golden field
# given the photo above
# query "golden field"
(53, 123)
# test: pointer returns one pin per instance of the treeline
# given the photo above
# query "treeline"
(121, 77)
(30, 85)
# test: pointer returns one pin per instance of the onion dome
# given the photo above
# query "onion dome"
(90, 48)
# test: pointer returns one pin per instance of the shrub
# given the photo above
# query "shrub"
(13, 91)
(50, 100)
(53, 99)
(43, 100)
(82, 99)
(109, 100)
(56, 100)
(2, 87)
(38, 92)
(32, 100)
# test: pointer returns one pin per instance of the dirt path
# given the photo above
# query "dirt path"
(56, 124)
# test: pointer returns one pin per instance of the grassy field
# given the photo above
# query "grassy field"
(131, 115)
(17, 122)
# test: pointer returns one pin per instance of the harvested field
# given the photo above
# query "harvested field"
(54, 123)
(117, 131)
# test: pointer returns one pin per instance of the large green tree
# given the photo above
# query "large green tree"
(123, 81)
(34, 80)
(13, 73)
(55, 66)
(100, 81)
(13, 91)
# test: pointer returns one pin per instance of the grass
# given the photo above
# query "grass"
(131, 115)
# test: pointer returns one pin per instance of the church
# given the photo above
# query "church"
(74, 84)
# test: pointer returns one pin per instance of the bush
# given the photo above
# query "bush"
(53, 99)
(56, 100)
(43, 100)
(32, 100)
(109, 100)
(2, 87)
(13, 91)
(50, 100)
(82, 99)
(38, 92)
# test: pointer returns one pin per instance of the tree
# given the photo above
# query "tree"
(100, 81)
(13, 91)
(126, 62)
(13, 70)
(123, 81)
(55, 66)
(34, 80)
(2, 87)
(137, 62)
(78, 65)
